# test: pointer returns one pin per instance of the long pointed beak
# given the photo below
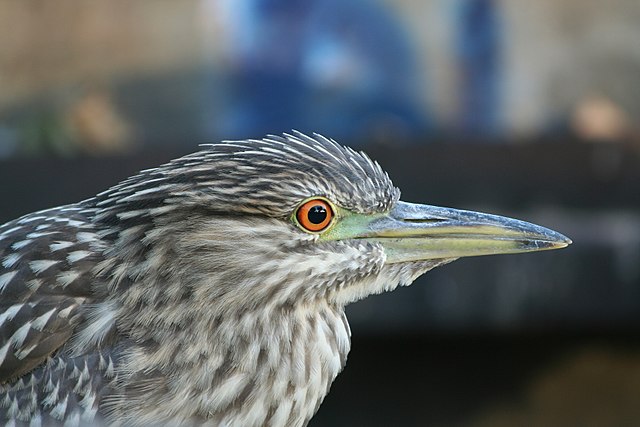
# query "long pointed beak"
(412, 232)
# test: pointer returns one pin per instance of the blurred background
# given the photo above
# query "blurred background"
(527, 109)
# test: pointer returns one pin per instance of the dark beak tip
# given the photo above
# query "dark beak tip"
(544, 244)
(558, 242)
(562, 240)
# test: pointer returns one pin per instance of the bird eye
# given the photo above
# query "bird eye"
(314, 215)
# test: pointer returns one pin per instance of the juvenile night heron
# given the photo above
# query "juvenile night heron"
(211, 290)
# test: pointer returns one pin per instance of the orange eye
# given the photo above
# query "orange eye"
(314, 215)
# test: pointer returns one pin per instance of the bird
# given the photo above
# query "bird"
(211, 290)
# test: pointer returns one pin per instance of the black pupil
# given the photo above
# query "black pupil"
(317, 214)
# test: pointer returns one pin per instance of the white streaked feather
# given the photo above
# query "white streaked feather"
(100, 321)
(65, 278)
(29, 219)
(76, 256)
(39, 322)
(9, 231)
(85, 237)
(144, 192)
(37, 234)
(52, 397)
(24, 352)
(10, 260)
(132, 214)
(60, 409)
(33, 284)
(66, 312)
(4, 350)
(60, 245)
(14, 409)
(20, 335)
(35, 420)
(39, 266)
(9, 313)
(6, 278)
(21, 244)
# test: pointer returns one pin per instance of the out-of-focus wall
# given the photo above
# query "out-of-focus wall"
(496, 69)
(557, 55)
(49, 45)
(561, 54)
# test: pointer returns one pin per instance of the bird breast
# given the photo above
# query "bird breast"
(267, 368)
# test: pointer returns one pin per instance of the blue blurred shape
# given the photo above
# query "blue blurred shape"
(342, 68)
(479, 52)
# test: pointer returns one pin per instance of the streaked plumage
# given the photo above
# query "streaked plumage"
(187, 294)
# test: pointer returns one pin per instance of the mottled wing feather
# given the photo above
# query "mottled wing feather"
(46, 260)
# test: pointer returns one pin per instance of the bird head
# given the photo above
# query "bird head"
(286, 220)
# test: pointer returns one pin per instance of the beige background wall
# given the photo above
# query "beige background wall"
(557, 53)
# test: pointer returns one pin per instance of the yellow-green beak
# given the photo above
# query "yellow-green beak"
(412, 232)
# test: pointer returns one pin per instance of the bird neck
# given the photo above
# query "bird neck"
(271, 366)
(209, 333)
